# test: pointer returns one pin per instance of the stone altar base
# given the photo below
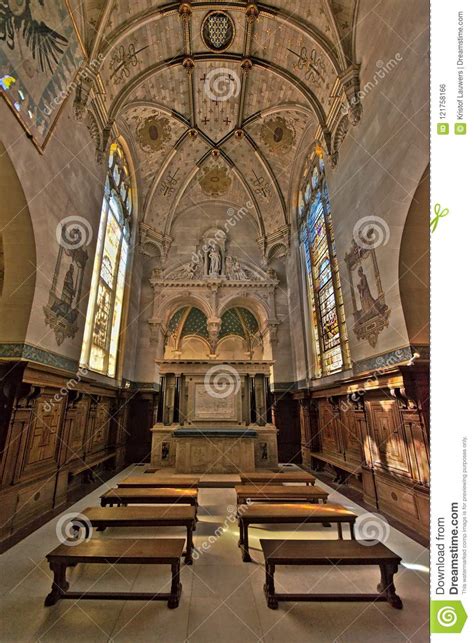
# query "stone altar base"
(214, 450)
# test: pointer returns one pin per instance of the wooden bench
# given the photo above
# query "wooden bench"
(140, 496)
(343, 469)
(147, 551)
(281, 493)
(87, 467)
(156, 482)
(164, 516)
(300, 477)
(330, 552)
(304, 513)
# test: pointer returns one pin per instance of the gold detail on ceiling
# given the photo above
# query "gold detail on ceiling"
(215, 180)
(153, 134)
(278, 134)
(217, 31)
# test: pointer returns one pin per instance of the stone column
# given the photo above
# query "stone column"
(169, 398)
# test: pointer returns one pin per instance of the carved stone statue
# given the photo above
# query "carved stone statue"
(229, 267)
(215, 261)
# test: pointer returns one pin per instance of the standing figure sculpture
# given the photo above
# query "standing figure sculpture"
(215, 262)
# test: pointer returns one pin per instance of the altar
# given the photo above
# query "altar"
(214, 417)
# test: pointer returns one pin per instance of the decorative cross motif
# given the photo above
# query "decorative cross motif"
(227, 120)
(205, 120)
(168, 185)
(262, 187)
(203, 78)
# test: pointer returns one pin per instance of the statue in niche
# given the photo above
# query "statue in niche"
(214, 262)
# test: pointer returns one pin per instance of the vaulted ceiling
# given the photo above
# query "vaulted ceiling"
(219, 100)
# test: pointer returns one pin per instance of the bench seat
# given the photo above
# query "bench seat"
(140, 495)
(291, 513)
(137, 516)
(279, 492)
(155, 482)
(330, 552)
(116, 552)
(300, 477)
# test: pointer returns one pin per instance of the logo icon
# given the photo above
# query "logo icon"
(447, 617)
(460, 129)
(443, 128)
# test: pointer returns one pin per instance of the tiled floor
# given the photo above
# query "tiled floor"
(222, 597)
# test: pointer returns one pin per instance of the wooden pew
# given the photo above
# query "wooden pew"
(301, 477)
(304, 513)
(279, 493)
(141, 496)
(147, 551)
(330, 552)
(161, 516)
(155, 482)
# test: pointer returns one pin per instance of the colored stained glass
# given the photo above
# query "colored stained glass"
(316, 240)
(104, 312)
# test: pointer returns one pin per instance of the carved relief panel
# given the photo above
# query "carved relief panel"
(328, 429)
(389, 442)
(43, 434)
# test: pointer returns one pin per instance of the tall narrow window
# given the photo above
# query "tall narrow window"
(322, 273)
(104, 311)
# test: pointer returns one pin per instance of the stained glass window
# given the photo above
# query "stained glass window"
(104, 311)
(322, 273)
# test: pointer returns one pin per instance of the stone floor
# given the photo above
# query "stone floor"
(222, 597)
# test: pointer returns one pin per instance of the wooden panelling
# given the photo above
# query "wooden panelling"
(388, 433)
(55, 433)
(373, 433)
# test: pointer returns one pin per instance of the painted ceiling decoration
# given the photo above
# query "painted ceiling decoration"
(278, 134)
(153, 133)
(215, 180)
(225, 97)
(218, 31)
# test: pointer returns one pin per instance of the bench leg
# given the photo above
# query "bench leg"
(60, 585)
(339, 531)
(387, 586)
(189, 545)
(244, 545)
(173, 601)
(269, 587)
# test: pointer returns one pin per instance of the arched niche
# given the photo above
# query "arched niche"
(414, 264)
(18, 256)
